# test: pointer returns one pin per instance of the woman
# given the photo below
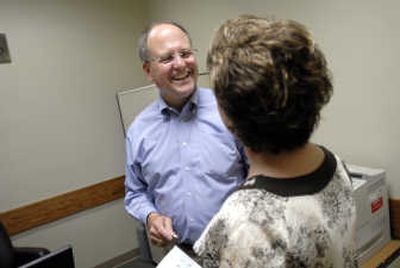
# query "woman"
(295, 208)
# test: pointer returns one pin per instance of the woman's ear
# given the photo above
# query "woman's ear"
(226, 120)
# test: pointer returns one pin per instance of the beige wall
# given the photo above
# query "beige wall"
(60, 127)
(361, 42)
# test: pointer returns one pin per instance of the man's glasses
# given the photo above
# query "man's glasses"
(170, 57)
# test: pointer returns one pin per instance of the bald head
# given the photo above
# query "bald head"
(143, 48)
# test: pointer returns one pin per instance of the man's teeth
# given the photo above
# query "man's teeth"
(180, 77)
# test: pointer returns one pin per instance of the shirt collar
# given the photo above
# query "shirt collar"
(188, 110)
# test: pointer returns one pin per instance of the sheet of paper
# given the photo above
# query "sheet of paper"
(176, 258)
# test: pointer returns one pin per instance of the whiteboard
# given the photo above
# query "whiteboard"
(131, 102)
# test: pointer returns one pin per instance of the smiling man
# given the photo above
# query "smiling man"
(182, 162)
(172, 65)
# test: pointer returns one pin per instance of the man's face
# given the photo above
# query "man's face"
(172, 66)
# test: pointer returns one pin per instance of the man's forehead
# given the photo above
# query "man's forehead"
(164, 34)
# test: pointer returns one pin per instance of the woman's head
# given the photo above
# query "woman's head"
(270, 80)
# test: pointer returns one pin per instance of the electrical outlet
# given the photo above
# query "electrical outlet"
(4, 53)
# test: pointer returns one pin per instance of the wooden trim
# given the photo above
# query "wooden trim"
(382, 256)
(45, 211)
(394, 208)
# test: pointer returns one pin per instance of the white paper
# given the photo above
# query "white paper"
(176, 258)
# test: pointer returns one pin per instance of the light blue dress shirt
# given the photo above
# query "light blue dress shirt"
(182, 165)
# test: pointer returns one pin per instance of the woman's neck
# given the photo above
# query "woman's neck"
(298, 162)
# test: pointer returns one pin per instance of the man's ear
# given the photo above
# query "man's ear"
(146, 69)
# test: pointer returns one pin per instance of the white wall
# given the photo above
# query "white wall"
(361, 42)
(60, 127)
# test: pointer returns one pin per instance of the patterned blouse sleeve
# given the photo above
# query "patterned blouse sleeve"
(211, 243)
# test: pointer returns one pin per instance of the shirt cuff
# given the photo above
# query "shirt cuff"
(145, 213)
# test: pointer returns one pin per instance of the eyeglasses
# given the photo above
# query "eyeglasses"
(170, 57)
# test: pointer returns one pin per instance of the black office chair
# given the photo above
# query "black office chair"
(11, 257)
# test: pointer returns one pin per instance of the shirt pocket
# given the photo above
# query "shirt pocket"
(157, 160)
(218, 156)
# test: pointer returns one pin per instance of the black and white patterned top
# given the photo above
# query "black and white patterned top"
(307, 221)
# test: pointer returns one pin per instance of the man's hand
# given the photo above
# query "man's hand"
(160, 229)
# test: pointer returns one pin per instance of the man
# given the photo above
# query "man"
(182, 162)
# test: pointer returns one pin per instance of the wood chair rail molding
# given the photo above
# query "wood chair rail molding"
(45, 211)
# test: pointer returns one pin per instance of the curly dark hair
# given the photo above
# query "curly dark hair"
(270, 80)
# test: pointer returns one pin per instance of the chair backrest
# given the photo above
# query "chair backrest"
(7, 258)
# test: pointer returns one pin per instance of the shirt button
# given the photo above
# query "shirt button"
(189, 194)
(187, 168)
(184, 144)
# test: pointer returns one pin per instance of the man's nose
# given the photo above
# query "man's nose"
(178, 60)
